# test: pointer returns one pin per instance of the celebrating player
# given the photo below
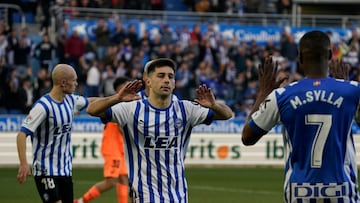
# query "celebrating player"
(157, 131)
(317, 113)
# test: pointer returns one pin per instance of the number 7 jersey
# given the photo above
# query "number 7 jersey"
(317, 115)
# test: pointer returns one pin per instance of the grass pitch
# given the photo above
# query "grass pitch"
(206, 185)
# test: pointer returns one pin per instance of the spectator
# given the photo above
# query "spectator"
(209, 55)
(15, 94)
(126, 52)
(133, 36)
(108, 77)
(90, 51)
(182, 78)
(166, 35)
(45, 52)
(240, 59)
(118, 34)
(195, 34)
(61, 38)
(46, 20)
(289, 51)
(102, 34)
(12, 40)
(42, 84)
(74, 49)
(21, 56)
(93, 80)
(184, 37)
(212, 35)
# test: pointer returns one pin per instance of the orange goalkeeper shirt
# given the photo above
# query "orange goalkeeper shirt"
(112, 140)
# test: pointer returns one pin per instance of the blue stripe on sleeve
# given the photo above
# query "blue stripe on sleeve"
(26, 131)
(256, 128)
(86, 104)
(108, 116)
(209, 117)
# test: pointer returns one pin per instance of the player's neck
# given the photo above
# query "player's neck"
(160, 102)
(57, 94)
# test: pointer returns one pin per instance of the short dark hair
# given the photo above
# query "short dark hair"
(120, 81)
(315, 44)
(151, 65)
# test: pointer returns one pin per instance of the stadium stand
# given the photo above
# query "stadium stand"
(231, 40)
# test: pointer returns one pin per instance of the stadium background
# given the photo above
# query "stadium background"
(220, 168)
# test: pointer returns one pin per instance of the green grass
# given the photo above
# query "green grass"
(206, 185)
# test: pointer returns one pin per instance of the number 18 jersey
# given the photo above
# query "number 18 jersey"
(317, 116)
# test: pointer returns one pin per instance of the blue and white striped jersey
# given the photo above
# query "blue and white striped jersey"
(320, 155)
(155, 146)
(49, 124)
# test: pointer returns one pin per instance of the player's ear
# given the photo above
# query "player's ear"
(147, 82)
(62, 83)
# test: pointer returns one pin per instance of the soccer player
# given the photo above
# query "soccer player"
(112, 149)
(157, 131)
(49, 125)
(317, 113)
(145, 91)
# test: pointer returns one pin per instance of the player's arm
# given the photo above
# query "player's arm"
(127, 93)
(206, 98)
(24, 169)
(267, 83)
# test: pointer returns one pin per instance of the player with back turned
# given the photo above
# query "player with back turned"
(317, 113)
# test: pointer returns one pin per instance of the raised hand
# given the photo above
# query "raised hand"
(268, 80)
(129, 91)
(338, 69)
(205, 96)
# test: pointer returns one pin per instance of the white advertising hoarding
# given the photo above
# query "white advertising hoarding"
(204, 149)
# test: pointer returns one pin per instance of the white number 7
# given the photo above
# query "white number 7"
(324, 124)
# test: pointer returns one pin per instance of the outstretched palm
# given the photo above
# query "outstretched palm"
(205, 97)
(129, 91)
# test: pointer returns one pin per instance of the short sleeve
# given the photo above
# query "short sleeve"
(33, 120)
(267, 116)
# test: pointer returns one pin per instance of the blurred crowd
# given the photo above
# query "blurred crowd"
(228, 66)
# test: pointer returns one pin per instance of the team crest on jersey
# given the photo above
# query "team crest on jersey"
(178, 123)
(316, 83)
(46, 197)
(28, 119)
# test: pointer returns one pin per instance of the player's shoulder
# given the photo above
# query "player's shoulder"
(130, 104)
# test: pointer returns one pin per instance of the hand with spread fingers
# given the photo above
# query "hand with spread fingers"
(268, 80)
(205, 96)
(129, 91)
(338, 69)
